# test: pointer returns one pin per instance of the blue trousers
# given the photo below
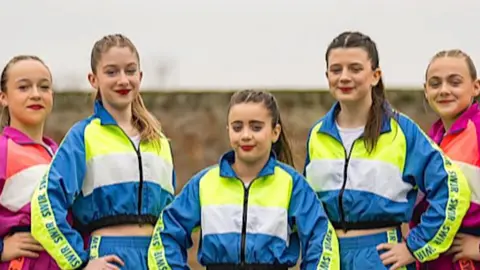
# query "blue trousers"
(132, 250)
(361, 252)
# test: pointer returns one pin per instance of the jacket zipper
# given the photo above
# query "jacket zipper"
(140, 169)
(244, 221)
(340, 194)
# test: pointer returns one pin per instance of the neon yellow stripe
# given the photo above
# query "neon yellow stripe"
(271, 191)
(393, 239)
(45, 229)
(105, 140)
(457, 205)
(391, 147)
(330, 258)
(95, 246)
(156, 251)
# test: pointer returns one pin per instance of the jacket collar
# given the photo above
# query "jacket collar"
(329, 127)
(21, 138)
(100, 112)
(438, 129)
(227, 160)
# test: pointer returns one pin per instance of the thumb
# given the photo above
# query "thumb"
(113, 259)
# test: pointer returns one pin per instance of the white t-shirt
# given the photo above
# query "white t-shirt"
(135, 140)
(349, 135)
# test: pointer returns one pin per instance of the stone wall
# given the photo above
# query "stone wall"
(196, 122)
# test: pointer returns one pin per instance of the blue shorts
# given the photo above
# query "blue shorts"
(132, 250)
(361, 252)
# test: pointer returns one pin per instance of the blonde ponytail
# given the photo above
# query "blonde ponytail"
(149, 127)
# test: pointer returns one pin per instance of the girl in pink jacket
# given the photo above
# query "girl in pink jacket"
(26, 97)
(450, 89)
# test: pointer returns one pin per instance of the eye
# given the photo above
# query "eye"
(23, 87)
(335, 69)
(434, 83)
(110, 72)
(257, 127)
(237, 127)
(131, 71)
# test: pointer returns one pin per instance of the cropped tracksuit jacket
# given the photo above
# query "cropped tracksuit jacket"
(105, 180)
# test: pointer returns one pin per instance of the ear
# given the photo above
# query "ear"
(377, 75)
(276, 133)
(476, 88)
(3, 99)
(425, 90)
(92, 79)
(141, 76)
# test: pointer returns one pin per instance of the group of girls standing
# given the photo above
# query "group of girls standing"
(104, 198)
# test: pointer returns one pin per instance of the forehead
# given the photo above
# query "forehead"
(118, 56)
(348, 55)
(445, 66)
(249, 111)
(28, 69)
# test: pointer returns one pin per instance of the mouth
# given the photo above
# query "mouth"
(345, 89)
(123, 92)
(247, 148)
(445, 101)
(35, 107)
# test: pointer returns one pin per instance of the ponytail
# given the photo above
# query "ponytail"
(281, 147)
(4, 118)
(148, 126)
(375, 117)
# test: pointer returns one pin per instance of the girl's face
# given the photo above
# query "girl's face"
(117, 77)
(449, 88)
(350, 76)
(28, 94)
(251, 133)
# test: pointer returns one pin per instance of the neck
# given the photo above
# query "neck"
(34, 132)
(248, 171)
(123, 118)
(448, 123)
(354, 115)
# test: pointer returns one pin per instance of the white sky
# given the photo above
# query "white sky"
(235, 44)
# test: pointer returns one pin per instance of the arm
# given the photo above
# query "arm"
(172, 234)
(317, 237)
(52, 199)
(446, 191)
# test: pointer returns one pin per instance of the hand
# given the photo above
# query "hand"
(465, 247)
(20, 244)
(105, 262)
(397, 255)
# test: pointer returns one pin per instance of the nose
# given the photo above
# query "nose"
(444, 89)
(123, 80)
(344, 76)
(246, 134)
(35, 93)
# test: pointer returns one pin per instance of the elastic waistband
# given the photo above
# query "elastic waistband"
(364, 225)
(228, 266)
(109, 221)
(122, 241)
(358, 242)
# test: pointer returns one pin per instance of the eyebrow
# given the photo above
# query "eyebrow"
(28, 80)
(115, 66)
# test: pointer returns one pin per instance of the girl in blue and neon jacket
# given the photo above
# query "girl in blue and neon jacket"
(367, 162)
(113, 169)
(253, 211)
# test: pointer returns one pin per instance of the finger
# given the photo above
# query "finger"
(457, 257)
(396, 266)
(386, 255)
(384, 246)
(457, 242)
(113, 259)
(112, 267)
(455, 249)
(28, 254)
(31, 247)
(390, 260)
(29, 239)
(460, 235)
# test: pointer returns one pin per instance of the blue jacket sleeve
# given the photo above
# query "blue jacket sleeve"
(54, 196)
(317, 236)
(172, 234)
(446, 190)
